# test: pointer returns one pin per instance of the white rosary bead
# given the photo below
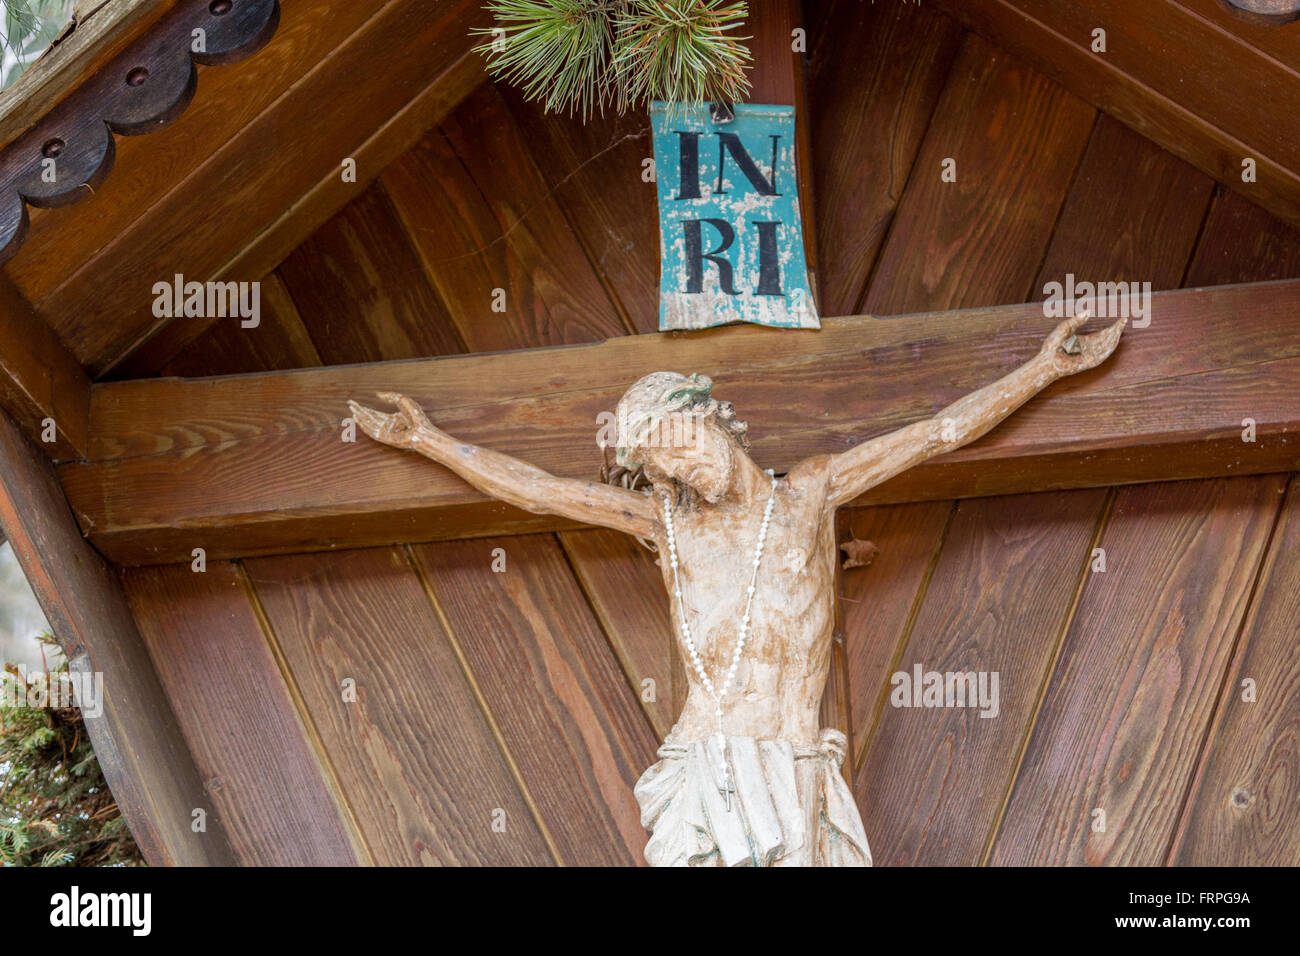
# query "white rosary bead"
(744, 623)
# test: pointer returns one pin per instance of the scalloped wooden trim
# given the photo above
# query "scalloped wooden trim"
(1264, 12)
(144, 88)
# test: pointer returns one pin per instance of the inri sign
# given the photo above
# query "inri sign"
(730, 237)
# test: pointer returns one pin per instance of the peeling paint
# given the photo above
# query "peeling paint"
(692, 289)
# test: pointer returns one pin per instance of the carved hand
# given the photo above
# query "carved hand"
(1067, 353)
(400, 428)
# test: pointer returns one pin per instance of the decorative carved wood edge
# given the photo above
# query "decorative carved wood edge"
(70, 151)
(1265, 12)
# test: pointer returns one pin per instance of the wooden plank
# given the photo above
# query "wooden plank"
(483, 219)
(867, 127)
(1243, 243)
(136, 737)
(880, 602)
(625, 589)
(246, 183)
(595, 169)
(1162, 91)
(150, 167)
(1130, 699)
(998, 602)
(361, 290)
(1264, 37)
(1243, 806)
(1133, 214)
(977, 240)
(563, 706)
(40, 380)
(1264, 12)
(145, 87)
(279, 342)
(402, 747)
(1172, 52)
(96, 36)
(249, 464)
(279, 237)
(278, 801)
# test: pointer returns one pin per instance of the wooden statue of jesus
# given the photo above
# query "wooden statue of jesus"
(746, 776)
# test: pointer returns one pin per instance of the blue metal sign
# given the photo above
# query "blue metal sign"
(730, 236)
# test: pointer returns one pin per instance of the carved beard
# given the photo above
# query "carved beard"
(724, 473)
(683, 490)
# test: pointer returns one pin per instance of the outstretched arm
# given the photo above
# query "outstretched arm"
(509, 479)
(1063, 353)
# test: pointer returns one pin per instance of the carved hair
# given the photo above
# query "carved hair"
(653, 400)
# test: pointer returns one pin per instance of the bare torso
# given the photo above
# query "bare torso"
(782, 672)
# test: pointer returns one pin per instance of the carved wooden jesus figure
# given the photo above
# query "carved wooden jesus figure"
(746, 776)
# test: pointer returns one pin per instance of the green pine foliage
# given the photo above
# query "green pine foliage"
(55, 807)
(585, 55)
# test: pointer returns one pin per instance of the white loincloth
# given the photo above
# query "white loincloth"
(779, 791)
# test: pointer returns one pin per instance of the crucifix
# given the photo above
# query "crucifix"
(746, 776)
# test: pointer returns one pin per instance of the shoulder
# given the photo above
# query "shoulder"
(810, 477)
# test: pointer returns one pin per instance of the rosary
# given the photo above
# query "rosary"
(727, 788)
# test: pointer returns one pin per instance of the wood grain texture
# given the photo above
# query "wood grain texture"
(867, 127)
(246, 184)
(94, 39)
(1173, 54)
(67, 154)
(40, 379)
(563, 705)
(879, 601)
(483, 219)
(932, 784)
(136, 738)
(595, 170)
(359, 285)
(1264, 37)
(279, 342)
(1016, 138)
(1243, 243)
(622, 582)
(1133, 214)
(318, 203)
(1243, 805)
(148, 168)
(1155, 78)
(1130, 699)
(218, 670)
(1264, 12)
(257, 463)
(413, 752)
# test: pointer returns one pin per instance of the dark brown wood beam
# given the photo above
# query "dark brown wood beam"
(93, 39)
(136, 738)
(256, 464)
(1162, 74)
(67, 154)
(41, 385)
(251, 169)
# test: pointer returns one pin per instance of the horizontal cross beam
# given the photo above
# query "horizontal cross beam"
(257, 464)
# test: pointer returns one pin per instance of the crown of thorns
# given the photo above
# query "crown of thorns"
(653, 399)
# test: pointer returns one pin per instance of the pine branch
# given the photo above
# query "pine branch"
(584, 55)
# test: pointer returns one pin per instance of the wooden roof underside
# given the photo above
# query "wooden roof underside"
(251, 169)
(1119, 685)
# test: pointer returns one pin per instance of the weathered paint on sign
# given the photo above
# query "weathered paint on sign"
(730, 236)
